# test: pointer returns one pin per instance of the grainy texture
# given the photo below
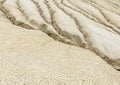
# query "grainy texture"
(30, 53)
(30, 57)
(90, 24)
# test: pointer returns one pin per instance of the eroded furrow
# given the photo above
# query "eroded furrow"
(111, 17)
(89, 10)
(99, 15)
(8, 7)
(19, 18)
(90, 24)
(80, 10)
(101, 4)
(43, 10)
(114, 4)
(98, 43)
(62, 27)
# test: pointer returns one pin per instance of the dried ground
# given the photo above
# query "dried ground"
(90, 24)
(82, 27)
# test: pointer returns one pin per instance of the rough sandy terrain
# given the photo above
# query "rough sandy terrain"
(59, 42)
(30, 57)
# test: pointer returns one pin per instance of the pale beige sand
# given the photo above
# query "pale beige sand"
(59, 42)
(90, 24)
(29, 57)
